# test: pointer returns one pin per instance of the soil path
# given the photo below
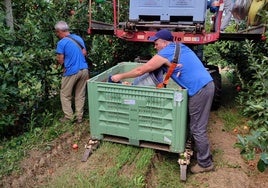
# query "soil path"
(231, 169)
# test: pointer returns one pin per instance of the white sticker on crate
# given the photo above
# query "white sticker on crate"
(178, 96)
(167, 140)
(130, 101)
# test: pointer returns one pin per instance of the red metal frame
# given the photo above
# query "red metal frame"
(188, 38)
(142, 36)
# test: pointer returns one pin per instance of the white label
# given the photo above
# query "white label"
(140, 37)
(178, 97)
(130, 101)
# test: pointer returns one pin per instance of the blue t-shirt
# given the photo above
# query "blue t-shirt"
(192, 75)
(74, 60)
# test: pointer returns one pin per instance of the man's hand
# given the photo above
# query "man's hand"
(116, 78)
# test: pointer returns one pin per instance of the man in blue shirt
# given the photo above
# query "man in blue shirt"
(71, 54)
(191, 75)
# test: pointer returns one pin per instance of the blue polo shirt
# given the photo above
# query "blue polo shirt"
(74, 60)
(192, 76)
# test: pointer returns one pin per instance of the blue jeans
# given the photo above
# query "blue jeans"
(149, 79)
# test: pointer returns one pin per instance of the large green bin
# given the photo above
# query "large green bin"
(137, 115)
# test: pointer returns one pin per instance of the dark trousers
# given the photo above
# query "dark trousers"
(199, 110)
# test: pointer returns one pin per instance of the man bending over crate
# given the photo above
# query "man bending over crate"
(190, 74)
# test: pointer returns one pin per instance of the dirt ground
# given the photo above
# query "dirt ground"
(231, 170)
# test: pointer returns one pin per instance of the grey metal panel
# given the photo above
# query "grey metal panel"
(167, 8)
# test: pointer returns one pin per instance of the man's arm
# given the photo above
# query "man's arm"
(60, 58)
(154, 63)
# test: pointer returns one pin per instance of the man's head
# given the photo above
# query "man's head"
(161, 39)
(62, 29)
(163, 34)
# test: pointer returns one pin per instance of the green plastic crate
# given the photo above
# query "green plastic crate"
(137, 115)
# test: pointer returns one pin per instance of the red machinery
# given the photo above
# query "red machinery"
(188, 32)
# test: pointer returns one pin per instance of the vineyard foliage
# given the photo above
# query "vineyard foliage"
(30, 79)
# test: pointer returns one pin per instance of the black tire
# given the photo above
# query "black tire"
(215, 74)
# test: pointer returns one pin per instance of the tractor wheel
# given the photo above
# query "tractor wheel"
(215, 74)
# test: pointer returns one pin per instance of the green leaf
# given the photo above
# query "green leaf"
(261, 166)
(264, 158)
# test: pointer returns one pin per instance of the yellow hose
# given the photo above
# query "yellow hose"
(255, 7)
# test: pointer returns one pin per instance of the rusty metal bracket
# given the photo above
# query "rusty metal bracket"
(185, 159)
(91, 145)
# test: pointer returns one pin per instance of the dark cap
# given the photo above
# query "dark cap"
(162, 34)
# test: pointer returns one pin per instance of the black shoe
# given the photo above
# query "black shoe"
(199, 169)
